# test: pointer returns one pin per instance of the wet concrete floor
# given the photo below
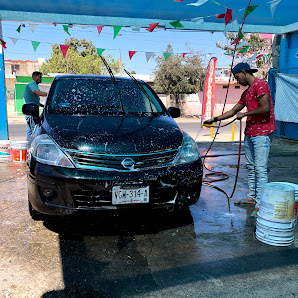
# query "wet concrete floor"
(210, 251)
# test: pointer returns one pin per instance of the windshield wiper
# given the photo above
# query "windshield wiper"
(141, 88)
(114, 80)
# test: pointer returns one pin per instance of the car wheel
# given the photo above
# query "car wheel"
(35, 215)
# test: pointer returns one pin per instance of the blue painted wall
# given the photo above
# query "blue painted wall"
(288, 62)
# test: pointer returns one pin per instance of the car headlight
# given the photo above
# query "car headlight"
(189, 151)
(46, 151)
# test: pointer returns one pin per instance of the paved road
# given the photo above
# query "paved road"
(17, 130)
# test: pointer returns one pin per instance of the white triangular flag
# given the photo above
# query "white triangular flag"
(33, 27)
(198, 3)
(135, 28)
(198, 20)
(242, 44)
(14, 40)
(80, 49)
(149, 55)
(253, 57)
(84, 27)
(273, 5)
(234, 25)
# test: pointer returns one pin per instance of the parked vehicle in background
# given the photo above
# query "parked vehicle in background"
(105, 145)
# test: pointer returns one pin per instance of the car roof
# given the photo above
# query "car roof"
(87, 76)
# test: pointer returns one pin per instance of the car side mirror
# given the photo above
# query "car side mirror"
(31, 109)
(174, 112)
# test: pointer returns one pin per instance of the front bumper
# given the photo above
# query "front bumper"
(81, 189)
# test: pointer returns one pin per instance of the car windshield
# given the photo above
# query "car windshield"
(100, 96)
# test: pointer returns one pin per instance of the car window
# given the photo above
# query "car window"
(94, 96)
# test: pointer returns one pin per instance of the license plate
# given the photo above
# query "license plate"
(130, 195)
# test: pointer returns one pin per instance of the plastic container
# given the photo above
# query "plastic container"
(277, 202)
(276, 222)
(5, 151)
(19, 151)
(296, 198)
(272, 235)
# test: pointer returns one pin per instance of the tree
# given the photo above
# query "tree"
(178, 76)
(257, 45)
(86, 62)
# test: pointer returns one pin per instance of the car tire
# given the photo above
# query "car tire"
(35, 215)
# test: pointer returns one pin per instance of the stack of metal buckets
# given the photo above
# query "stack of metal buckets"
(278, 214)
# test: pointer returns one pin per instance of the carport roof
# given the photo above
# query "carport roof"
(141, 13)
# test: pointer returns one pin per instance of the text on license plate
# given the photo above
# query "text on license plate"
(125, 195)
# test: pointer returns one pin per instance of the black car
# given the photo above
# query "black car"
(101, 144)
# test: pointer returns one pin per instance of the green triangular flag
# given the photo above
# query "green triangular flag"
(227, 54)
(99, 51)
(116, 30)
(35, 44)
(251, 9)
(66, 27)
(19, 29)
(176, 24)
(240, 34)
(167, 55)
(244, 49)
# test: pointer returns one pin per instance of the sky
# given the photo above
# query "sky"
(182, 41)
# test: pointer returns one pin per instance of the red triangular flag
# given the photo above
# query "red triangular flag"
(228, 16)
(3, 43)
(152, 27)
(131, 53)
(259, 56)
(99, 28)
(220, 16)
(183, 54)
(64, 48)
(235, 41)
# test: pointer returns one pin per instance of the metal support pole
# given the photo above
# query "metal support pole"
(3, 108)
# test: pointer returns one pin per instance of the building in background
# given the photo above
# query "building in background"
(14, 68)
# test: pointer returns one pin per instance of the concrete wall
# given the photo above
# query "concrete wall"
(25, 68)
(193, 102)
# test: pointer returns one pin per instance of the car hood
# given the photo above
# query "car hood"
(114, 134)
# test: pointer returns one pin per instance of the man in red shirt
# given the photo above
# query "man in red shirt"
(260, 124)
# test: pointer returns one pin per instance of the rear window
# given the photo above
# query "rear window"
(100, 96)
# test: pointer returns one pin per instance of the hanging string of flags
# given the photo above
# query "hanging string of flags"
(227, 16)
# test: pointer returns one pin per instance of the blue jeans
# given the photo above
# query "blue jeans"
(256, 153)
(30, 126)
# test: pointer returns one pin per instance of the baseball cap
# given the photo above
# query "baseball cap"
(243, 66)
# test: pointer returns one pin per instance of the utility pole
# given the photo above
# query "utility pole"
(120, 64)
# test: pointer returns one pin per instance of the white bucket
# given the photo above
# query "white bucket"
(277, 202)
(274, 236)
(19, 151)
(5, 151)
(296, 198)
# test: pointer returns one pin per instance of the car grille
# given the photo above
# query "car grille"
(97, 197)
(114, 162)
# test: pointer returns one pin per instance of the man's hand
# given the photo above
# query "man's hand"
(240, 116)
(209, 121)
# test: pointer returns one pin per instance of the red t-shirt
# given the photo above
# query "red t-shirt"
(258, 125)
